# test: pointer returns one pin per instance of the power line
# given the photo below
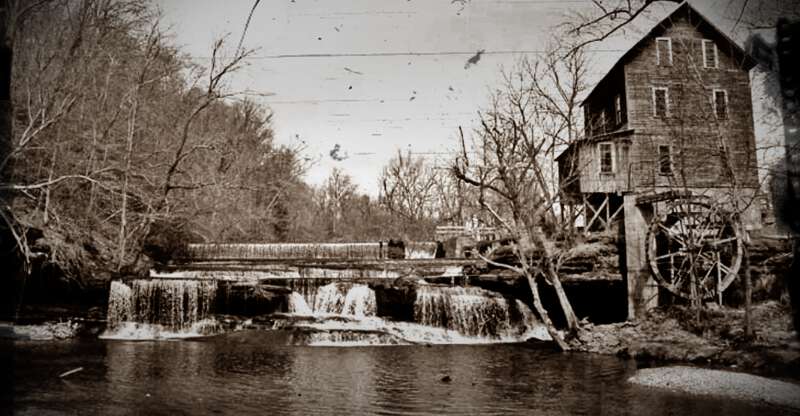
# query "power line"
(398, 54)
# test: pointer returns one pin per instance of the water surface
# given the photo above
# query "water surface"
(255, 372)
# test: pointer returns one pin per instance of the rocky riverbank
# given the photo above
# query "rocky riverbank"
(717, 340)
(728, 384)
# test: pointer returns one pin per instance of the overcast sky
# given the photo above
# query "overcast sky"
(375, 76)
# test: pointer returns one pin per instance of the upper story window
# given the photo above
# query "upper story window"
(710, 55)
(603, 121)
(606, 157)
(665, 160)
(720, 102)
(660, 102)
(618, 109)
(663, 51)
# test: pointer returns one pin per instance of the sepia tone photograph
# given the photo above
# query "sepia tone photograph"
(400, 207)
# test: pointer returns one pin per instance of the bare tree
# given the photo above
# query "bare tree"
(514, 147)
(337, 192)
(408, 186)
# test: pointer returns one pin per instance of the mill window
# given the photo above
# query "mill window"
(710, 58)
(665, 160)
(606, 158)
(663, 51)
(603, 121)
(660, 102)
(720, 101)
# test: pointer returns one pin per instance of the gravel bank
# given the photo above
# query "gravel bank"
(720, 383)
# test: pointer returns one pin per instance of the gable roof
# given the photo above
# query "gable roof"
(747, 61)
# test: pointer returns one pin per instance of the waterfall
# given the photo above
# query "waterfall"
(472, 312)
(120, 304)
(355, 300)
(298, 305)
(344, 314)
(284, 251)
(160, 308)
(421, 249)
(329, 299)
(360, 302)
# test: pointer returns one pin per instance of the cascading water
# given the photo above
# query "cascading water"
(375, 250)
(354, 300)
(420, 250)
(359, 302)
(298, 305)
(322, 309)
(146, 309)
(345, 314)
(473, 312)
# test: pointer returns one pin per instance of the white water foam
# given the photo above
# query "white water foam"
(138, 331)
(161, 309)
(344, 315)
(345, 299)
(376, 331)
(298, 305)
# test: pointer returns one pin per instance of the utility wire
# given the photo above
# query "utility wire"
(409, 53)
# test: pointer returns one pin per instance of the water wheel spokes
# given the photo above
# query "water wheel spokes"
(694, 249)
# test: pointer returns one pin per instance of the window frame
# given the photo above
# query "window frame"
(603, 122)
(703, 44)
(611, 149)
(714, 92)
(618, 109)
(666, 101)
(658, 51)
(670, 159)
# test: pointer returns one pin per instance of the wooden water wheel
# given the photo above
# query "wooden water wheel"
(694, 249)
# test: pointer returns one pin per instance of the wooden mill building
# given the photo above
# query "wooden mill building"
(673, 114)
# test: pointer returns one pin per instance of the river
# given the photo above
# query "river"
(256, 372)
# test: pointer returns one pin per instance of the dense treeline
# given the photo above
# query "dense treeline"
(123, 146)
(119, 138)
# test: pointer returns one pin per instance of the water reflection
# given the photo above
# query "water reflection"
(256, 372)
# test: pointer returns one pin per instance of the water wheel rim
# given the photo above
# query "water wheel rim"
(699, 255)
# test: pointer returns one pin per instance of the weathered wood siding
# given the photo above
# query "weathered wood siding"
(692, 129)
(591, 179)
(707, 152)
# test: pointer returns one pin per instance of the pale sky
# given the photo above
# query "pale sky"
(389, 74)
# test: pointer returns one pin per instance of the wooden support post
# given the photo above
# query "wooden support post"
(614, 215)
(642, 288)
(585, 216)
(748, 293)
(596, 213)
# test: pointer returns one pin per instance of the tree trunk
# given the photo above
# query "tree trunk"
(6, 107)
(537, 304)
(13, 284)
(552, 277)
(748, 294)
(124, 212)
(46, 211)
(566, 306)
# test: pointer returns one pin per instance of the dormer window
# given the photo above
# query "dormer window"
(710, 56)
(663, 51)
